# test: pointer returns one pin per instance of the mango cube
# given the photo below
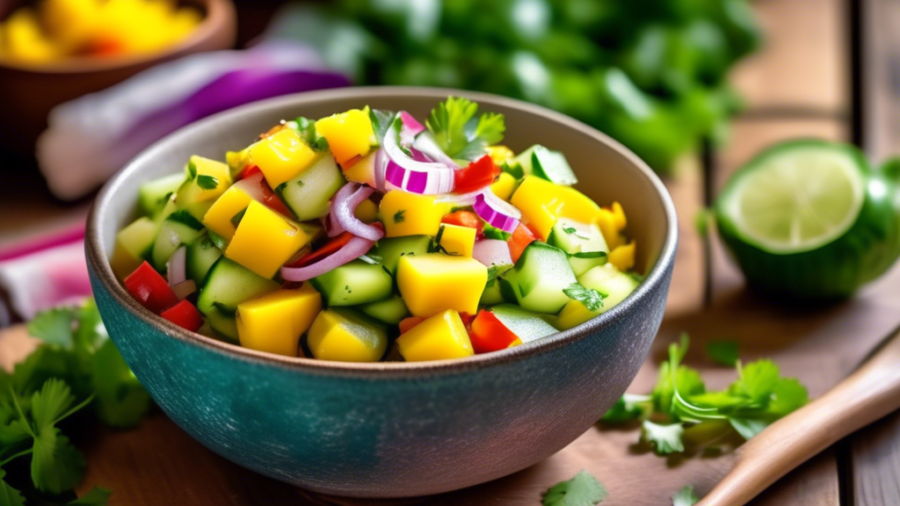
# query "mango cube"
(436, 282)
(623, 256)
(282, 156)
(607, 222)
(457, 240)
(542, 202)
(344, 336)
(500, 154)
(25, 39)
(212, 177)
(218, 218)
(274, 322)
(440, 337)
(132, 245)
(366, 211)
(406, 213)
(349, 134)
(504, 185)
(265, 240)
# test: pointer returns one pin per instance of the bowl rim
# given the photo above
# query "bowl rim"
(654, 280)
(219, 15)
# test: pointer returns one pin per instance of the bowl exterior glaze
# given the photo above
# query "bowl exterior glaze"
(389, 430)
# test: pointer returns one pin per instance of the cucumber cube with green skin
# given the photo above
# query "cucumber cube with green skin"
(492, 292)
(527, 326)
(611, 282)
(202, 254)
(137, 238)
(354, 283)
(179, 229)
(309, 194)
(186, 199)
(389, 311)
(583, 243)
(392, 249)
(227, 285)
(154, 195)
(537, 281)
(547, 164)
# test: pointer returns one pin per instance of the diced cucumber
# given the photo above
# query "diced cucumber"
(547, 164)
(137, 238)
(492, 294)
(388, 310)
(392, 249)
(228, 284)
(526, 325)
(539, 278)
(583, 243)
(154, 195)
(186, 199)
(224, 323)
(166, 211)
(524, 161)
(179, 229)
(202, 254)
(609, 281)
(354, 283)
(309, 193)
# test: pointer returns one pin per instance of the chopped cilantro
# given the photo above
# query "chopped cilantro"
(207, 182)
(300, 182)
(491, 232)
(398, 216)
(381, 122)
(665, 439)
(192, 171)
(592, 299)
(723, 352)
(582, 490)
(236, 219)
(458, 133)
(217, 239)
(96, 497)
(307, 130)
(569, 230)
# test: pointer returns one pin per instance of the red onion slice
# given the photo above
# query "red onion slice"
(176, 267)
(492, 252)
(252, 186)
(381, 163)
(411, 128)
(409, 174)
(343, 208)
(354, 249)
(185, 288)
(461, 199)
(499, 213)
(332, 227)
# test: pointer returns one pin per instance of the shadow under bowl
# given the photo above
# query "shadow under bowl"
(392, 429)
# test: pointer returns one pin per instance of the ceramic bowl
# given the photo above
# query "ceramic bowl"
(392, 429)
(28, 92)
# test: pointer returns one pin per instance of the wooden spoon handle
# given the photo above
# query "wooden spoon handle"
(868, 394)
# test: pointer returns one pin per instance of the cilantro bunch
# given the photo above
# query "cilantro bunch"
(680, 410)
(75, 366)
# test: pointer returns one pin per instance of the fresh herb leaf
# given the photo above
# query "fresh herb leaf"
(570, 230)
(217, 239)
(236, 219)
(685, 497)
(56, 466)
(629, 407)
(582, 490)
(757, 380)
(207, 182)
(701, 222)
(192, 171)
(491, 127)
(723, 352)
(185, 218)
(96, 497)
(748, 427)
(381, 122)
(665, 439)
(307, 130)
(592, 299)
(8, 495)
(398, 216)
(458, 133)
(121, 401)
(54, 327)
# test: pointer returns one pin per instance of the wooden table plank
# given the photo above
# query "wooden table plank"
(875, 451)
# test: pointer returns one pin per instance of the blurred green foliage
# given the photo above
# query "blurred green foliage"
(651, 73)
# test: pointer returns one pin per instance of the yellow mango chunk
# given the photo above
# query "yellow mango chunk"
(406, 213)
(282, 156)
(212, 177)
(576, 205)
(504, 185)
(344, 336)
(363, 171)
(265, 240)
(366, 211)
(606, 222)
(218, 218)
(435, 282)
(500, 154)
(542, 202)
(25, 40)
(623, 256)
(440, 337)
(515, 343)
(457, 240)
(237, 160)
(274, 322)
(619, 214)
(349, 134)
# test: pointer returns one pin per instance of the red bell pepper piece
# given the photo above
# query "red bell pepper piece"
(185, 315)
(488, 333)
(521, 237)
(328, 248)
(248, 171)
(270, 199)
(476, 175)
(408, 323)
(465, 219)
(150, 289)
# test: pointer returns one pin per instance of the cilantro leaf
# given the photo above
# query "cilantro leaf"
(570, 230)
(50, 403)
(723, 352)
(96, 497)
(788, 396)
(664, 439)
(121, 401)
(685, 497)
(54, 326)
(582, 490)
(592, 299)
(207, 182)
(629, 407)
(491, 127)
(398, 216)
(8, 495)
(757, 380)
(56, 466)
(458, 133)
(307, 130)
(491, 232)
(748, 427)
(192, 171)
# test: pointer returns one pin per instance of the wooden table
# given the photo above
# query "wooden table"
(798, 86)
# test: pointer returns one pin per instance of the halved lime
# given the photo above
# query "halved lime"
(810, 218)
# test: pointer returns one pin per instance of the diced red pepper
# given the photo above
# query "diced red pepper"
(476, 175)
(465, 219)
(521, 237)
(488, 333)
(150, 289)
(248, 171)
(407, 324)
(327, 249)
(185, 315)
(270, 199)
(466, 319)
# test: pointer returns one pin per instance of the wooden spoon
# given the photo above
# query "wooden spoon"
(868, 394)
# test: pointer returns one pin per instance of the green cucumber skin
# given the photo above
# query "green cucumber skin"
(151, 194)
(354, 283)
(389, 311)
(836, 270)
(201, 256)
(308, 194)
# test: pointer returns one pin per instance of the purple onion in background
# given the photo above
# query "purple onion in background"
(92, 137)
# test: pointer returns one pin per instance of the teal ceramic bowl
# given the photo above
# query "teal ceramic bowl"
(392, 429)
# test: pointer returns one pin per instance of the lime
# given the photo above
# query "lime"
(811, 219)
